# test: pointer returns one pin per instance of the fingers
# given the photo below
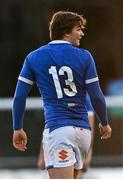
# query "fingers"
(106, 136)
(20, 145)
(20, 140)
(105, 131)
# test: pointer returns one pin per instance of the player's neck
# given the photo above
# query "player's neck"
(66, 39)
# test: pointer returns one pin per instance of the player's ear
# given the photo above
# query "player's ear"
(67, 35)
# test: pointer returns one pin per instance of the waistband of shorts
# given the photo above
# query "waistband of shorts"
(53, 128)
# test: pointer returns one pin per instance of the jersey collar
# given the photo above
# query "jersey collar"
(59, 42)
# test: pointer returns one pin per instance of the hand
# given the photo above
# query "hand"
(105, 131)
(20, 140)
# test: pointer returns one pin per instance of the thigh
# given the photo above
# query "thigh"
(61, 173)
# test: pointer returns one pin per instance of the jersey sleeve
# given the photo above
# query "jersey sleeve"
(19, 103)
(94, 91)
(91, 73)
(23, 87)
(89, 105)
(26, 74)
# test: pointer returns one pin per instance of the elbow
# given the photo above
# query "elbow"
(99, 101)
(18, 99)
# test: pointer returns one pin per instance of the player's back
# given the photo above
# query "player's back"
(60, 68)
(59, 71)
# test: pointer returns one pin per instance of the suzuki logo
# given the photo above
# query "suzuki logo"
(63, 154)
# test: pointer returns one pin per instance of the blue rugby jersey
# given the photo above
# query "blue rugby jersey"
(62, 73)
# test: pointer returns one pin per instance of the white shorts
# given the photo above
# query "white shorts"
(66, 146)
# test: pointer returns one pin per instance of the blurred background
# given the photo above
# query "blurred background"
(23, 28)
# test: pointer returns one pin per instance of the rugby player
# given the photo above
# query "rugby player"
(63, 73)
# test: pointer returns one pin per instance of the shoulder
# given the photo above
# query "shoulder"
(87, 56)
(83, 52)
(41, 51)
(38, 50)
(86, 53)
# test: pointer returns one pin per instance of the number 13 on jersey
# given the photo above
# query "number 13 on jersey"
(69, 81)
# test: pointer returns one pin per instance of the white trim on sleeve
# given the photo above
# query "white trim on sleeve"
(28, 81)
(90, 113)
(88, 81)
